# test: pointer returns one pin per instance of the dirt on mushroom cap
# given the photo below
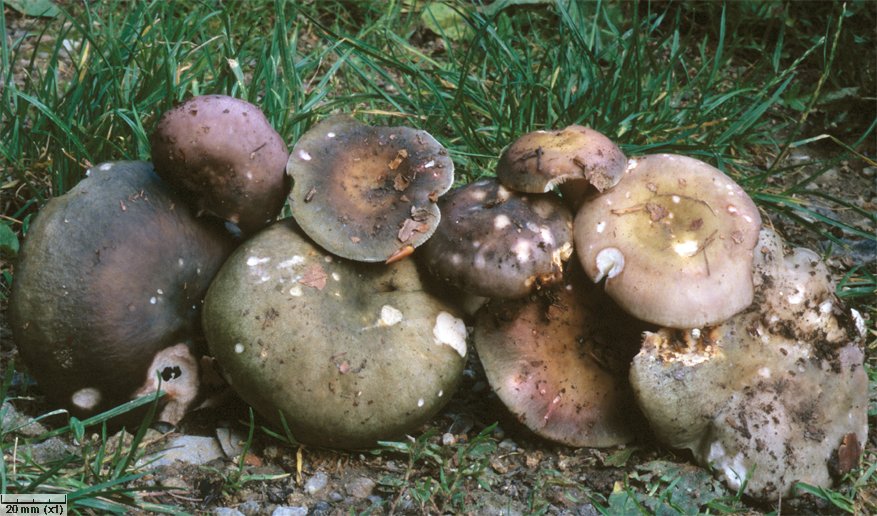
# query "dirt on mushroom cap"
(762, 398)
(364, 193)
(538, 161)
(494, 242)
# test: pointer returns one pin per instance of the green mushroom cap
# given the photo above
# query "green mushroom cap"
(347, 353)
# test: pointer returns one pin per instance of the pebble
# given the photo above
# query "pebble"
(21, 424)
(316, 483)
(448, 439)
(508, 444)
(191, 449)
(226, 511)
(869, 171)
(360, 487)
(335, 496)
(250, 508)
(175, 483)
(285, 510)
(321, 508)
(50, 450)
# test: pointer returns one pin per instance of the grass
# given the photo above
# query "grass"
(741, 86)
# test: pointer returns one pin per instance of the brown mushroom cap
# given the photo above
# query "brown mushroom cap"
(347, 352)
(674, 241)
(223, 152)
(538, 161)
(108, 291)
(494, 242)
(559, 362)
(764, 397)
(364, 192)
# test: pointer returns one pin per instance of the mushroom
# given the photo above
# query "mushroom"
(346, 353)
(573, 158)
(368, 193)
(774, 396)
(559, 362)
(108, 292)
(673, 240)
(223, 153)
(494, 242)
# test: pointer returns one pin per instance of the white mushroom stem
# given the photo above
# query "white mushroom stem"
(610, 263)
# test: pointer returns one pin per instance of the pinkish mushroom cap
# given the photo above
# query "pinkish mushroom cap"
(575, 157)
(368, 193)
(494, 242)
(559, 362)
(223, 152)
(673, 240)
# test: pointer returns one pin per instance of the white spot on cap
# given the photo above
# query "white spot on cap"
(686, 248)
(159, 291)
(249, 175)
(501, 222)
(609, 262)
(238, 348)
(631, 164)
(601, 226)
(86, 398)
(181, 262)
(252, 261)
(764, 372)
(285, 264)
(303, 154)
(420, 402)
(330, 135)
(859, 320)
(295, 291)
(441, 393)
(390, 315)
(105, 166)
(429, 164)
(825, 307)
(450, 331)
(336, 276)
(676, 199)
(546, 235)
(797, 298)
(732, 209)
(522, 250)
(153, 300)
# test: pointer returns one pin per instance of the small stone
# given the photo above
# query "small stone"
(316, 483)
(12, 420)
(508, 444)
(321, 508)
(335, 496)
(175, 484)
(869, 171)
(250, 508)
(376, 500)
(285, 510)
(191, 449)
(448, 439)
(227, 511)
(50, 450)
(360, 487)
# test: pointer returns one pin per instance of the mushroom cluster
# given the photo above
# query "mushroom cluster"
(678, 312)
